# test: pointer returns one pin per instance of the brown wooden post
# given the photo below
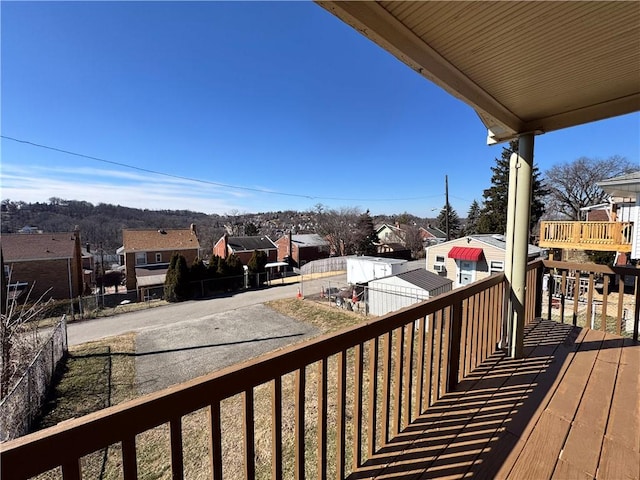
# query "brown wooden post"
(299, 419)
(175, 433)
(322, 420)
(373, 389)
(341, 430)
(129, 462)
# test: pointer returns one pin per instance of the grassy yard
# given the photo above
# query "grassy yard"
(100, 374)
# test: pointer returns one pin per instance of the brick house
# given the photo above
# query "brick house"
(301, 249)
(147, 253)
(48, 263)
(243, 247)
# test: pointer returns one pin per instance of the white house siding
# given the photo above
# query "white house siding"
(391, 294)
(491, 253)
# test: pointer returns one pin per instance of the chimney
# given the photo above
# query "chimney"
(88, 247)
(193, 229)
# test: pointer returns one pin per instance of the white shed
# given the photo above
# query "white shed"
(392, 293)
(364, 269)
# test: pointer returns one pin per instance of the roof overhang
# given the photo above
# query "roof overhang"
(523, 66)
(623, 186)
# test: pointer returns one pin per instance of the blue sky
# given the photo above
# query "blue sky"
(275, 97)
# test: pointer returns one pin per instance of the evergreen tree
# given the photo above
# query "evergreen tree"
(198, 270)
(366, 237)
(214, 265)
(176, 284)
(454, 221)
(493, 216)
(473, 216)
(250, 230)
(257, 262)
(235, 272)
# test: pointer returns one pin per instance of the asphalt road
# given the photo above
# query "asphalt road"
(178, 342)
(173, 314)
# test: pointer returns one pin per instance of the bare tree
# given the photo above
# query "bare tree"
(18, 333)
(572, 185)
(339, 228)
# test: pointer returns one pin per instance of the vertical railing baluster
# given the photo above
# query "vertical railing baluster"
(72, 470)
(373, 393)
(299, 419)
(437, 354)
(550, 291)
(563, 294)
(322, 420)
(386, 388)
(576, 297)
(357, 407)
(249, 435)
(620, 304)
(420, 369)
(589, 313)
(341, 429)
(636, 310)
(408, 375)
(455, 339)
(605, 296)
(129, 460)
(276, 425)
(397, 403)
(175, 433)
(215, 440)
(429, 354)
(446, 343)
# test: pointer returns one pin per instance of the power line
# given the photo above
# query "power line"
(209, 182)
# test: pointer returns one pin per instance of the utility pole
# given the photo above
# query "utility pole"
(446, 206)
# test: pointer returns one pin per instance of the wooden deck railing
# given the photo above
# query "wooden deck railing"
(592, 296)
(384, 372)
(388, 371)
(602, 236)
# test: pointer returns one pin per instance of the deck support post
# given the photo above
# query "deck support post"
(518, 214)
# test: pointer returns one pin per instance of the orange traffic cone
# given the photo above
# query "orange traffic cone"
(354, 297)
(299, 294)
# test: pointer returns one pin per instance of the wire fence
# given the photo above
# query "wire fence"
(23, 403)
(325, 265)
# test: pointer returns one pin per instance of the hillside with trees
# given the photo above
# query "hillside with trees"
(102, 224)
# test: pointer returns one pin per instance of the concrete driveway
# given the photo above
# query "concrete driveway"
(171, 354)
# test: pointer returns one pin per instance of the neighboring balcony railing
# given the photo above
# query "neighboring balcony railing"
(385, 372)
(602, 236)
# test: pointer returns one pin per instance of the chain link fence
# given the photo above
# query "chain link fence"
(22, 404)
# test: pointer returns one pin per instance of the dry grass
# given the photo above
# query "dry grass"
(101, 373)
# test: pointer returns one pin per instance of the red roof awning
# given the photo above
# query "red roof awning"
(466, 253)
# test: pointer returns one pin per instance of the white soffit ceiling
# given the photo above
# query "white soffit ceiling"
(523, 66)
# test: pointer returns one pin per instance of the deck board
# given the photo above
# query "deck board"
(569, 409)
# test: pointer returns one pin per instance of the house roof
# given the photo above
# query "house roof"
(434, 232)
(309, 240)
(249, 244)
(39, 246)
(522, 66)
(156, 240)
(622, 186)
(424, 279)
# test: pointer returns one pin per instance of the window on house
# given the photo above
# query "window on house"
(7, 271)
(439, 258)
(158, 258)
(141, 258)
(496, 266)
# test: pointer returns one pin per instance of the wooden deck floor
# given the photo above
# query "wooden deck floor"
(569, 410)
